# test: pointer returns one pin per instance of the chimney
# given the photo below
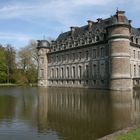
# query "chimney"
(90, 25)
(120, 16)
(73, 29)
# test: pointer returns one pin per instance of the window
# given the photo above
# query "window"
(80, 82)
(102, 52)
(97, 38)
(67, 57)
(138, 54)
(136, 40)
(94, 69)
(73, 56)
(42, 73)
(139, 70)
(67, 72)
(134, 53)
(73, 72)
(52, 74)
(87, 54)
(134, 70)
(132, 39)
(56, 72)
(80, 56)
(94, 53)
(80, 71)
(62, 72)
(42, 60)
(62, 58)
(57, 58)
(87, 71)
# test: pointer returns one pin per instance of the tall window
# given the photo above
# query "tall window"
(87, 71)
(42, 73)
(94, 69)
(62, 72)
(94, 53)
(67, 57)
(73, 72)
(80, 55)
(56, 72)
(52, 74)
(134, 70)
(134, 53)
(57, 58)
(67, 72)
(136, 40)
(87, 54)
(139, 70)
(138, 54)
(73, 56)
(102, 52)
(42, 60)
(80, 71)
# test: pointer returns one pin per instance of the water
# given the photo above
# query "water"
(65, 113)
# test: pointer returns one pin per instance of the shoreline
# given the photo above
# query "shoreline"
(119, 133)
(16, 85)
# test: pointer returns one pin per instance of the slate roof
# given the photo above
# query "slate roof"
(99, 26)
(135, 31)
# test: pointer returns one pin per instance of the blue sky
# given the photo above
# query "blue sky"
(24, 20)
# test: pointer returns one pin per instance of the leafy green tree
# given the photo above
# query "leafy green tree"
(3, 67)
(10, 62)
(27, 62)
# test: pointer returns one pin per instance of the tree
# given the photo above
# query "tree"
(10, 54)
(28, 60)
(3, 67)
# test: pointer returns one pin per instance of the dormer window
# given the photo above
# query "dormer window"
(136, 40)
(97, 38)
(132, 39)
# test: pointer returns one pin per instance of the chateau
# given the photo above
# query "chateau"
(103, 54)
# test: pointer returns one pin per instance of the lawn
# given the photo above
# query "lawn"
(132, 135)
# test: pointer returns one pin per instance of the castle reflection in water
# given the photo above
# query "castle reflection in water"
(72, 114)
(87, 114)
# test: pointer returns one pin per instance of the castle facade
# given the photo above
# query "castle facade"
(103, 54)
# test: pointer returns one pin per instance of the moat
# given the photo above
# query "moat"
(65, 113)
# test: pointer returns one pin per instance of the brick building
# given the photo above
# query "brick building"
(103, 54)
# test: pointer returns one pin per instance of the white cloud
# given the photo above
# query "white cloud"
(12, 36)
(65, 12)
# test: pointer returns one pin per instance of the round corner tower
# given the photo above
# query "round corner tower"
(119, 57)
(43, 48)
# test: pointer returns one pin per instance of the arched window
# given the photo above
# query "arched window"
(67, 72)
(62, 72)
(73, 72)
(52, 74)
(56, 72)
(80, 71)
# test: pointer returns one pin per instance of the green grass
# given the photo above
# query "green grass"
(132, 135)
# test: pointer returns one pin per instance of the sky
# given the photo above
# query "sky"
(25, 20)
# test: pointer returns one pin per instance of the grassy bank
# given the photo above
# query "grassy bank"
(13, 85)
(7, 85)
(132, 135)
